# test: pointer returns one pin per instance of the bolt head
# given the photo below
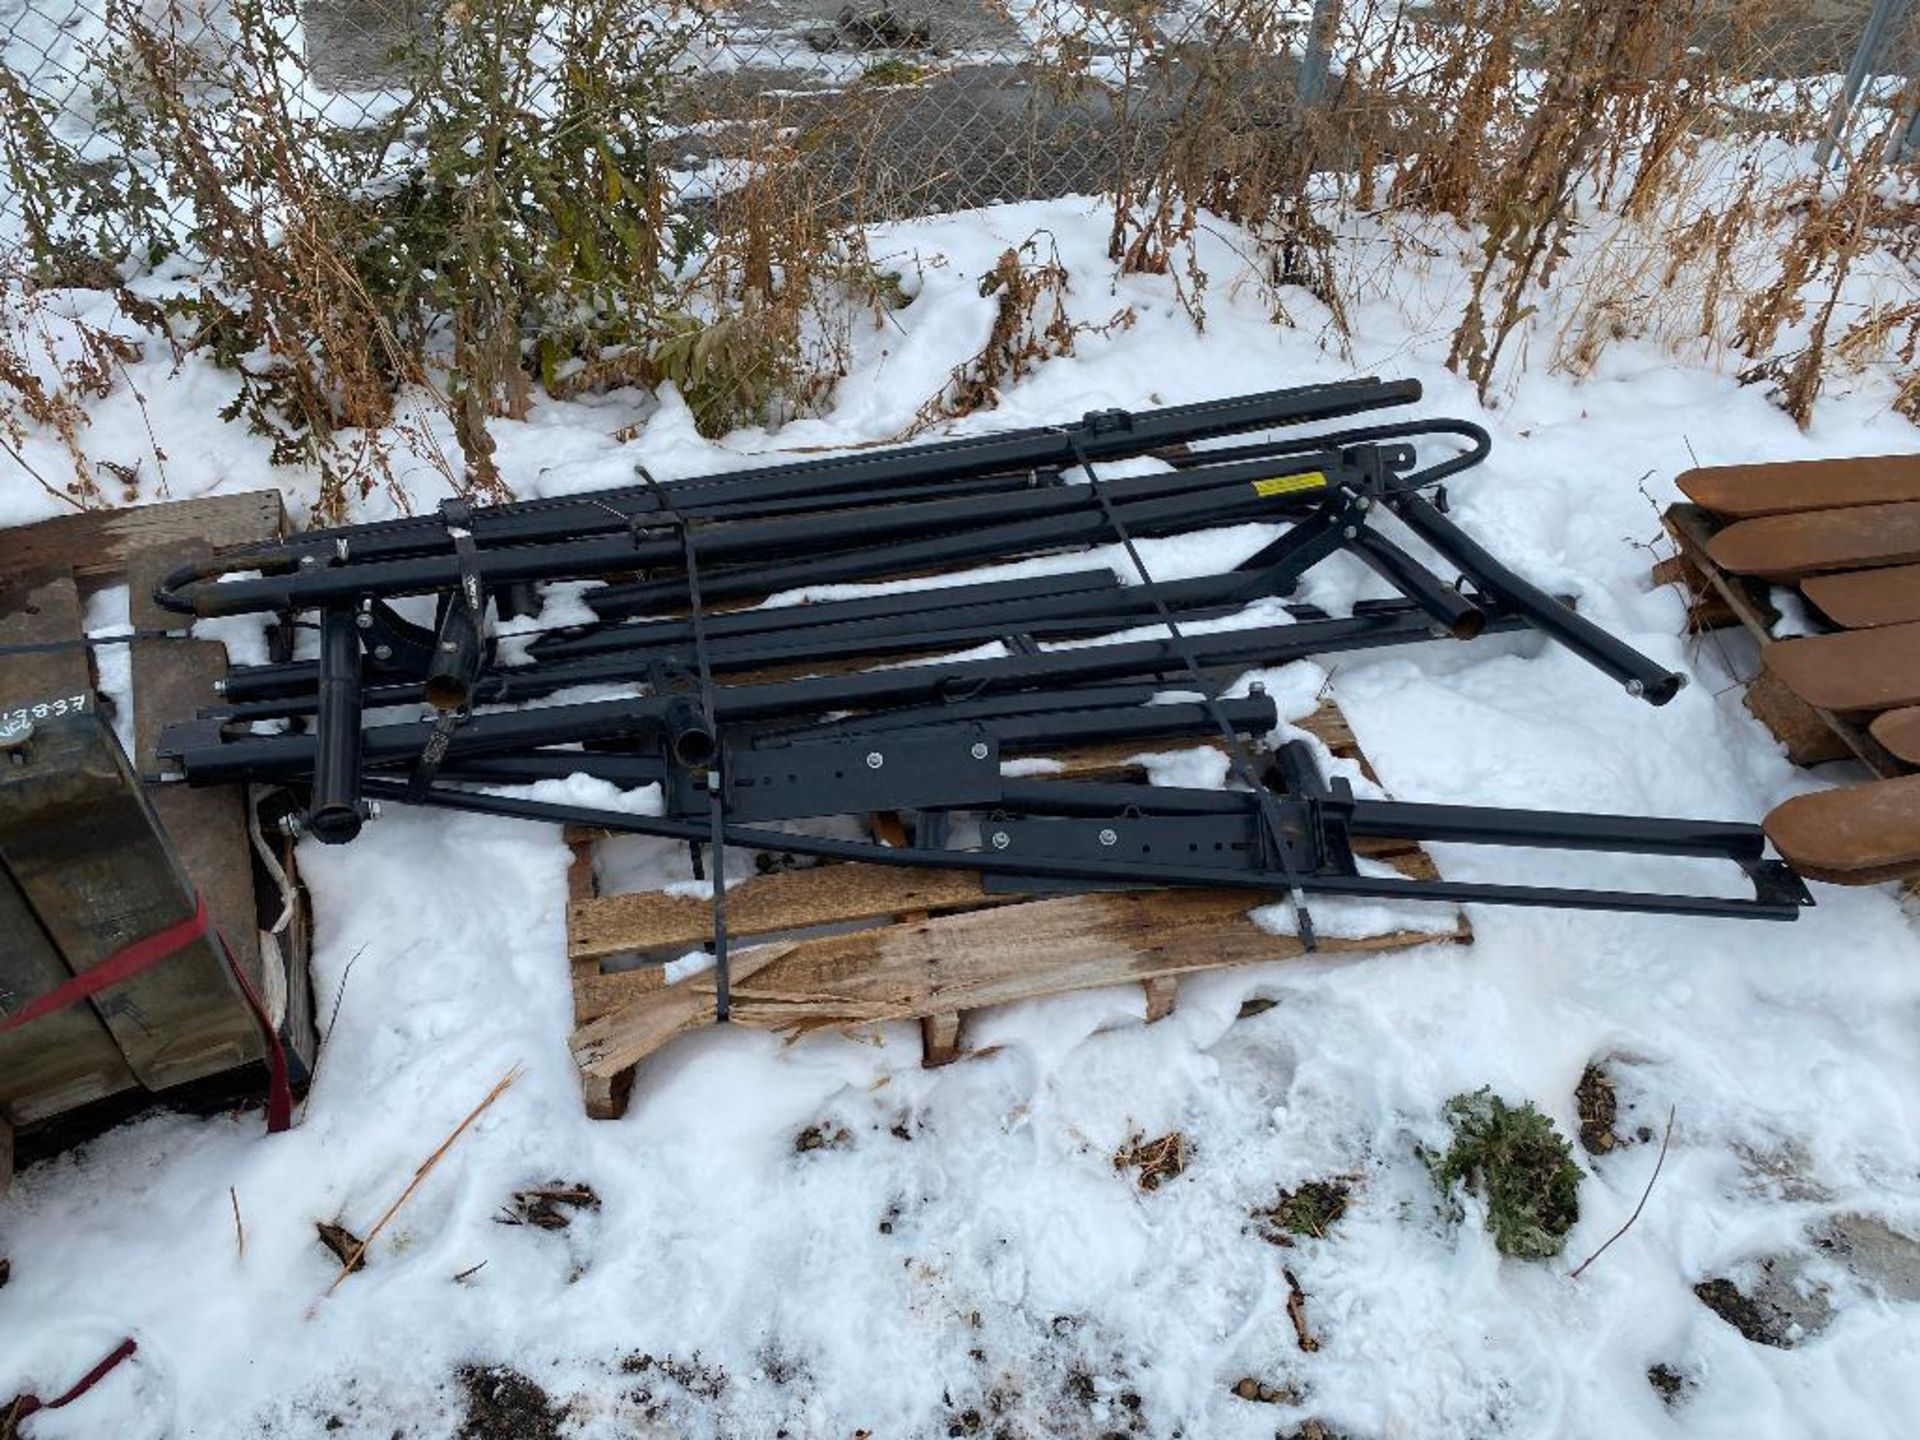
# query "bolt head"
(364, 619)
(979, 750)
(875, 759)
(307, 562)
(1351, 532)
(383, 652)
(1000, 839)
(1109, 837)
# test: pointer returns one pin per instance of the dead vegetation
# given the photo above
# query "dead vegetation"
(1154, 1161)
(548, 1207)
(1030, 327)
(1309, 1211)
(381, 297)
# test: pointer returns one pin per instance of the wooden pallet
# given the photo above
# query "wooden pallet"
(47, 572)
(843, 945)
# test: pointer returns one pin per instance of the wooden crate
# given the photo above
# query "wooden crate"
(47, 573)
(842, 945)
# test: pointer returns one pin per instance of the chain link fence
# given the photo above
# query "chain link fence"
(903, 107)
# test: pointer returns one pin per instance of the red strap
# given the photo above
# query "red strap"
(143, 954)
(279, 1087)
(122, 965)
(26, 1405)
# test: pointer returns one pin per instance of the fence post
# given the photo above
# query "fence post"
(1905, 148)
(1882, 19)
(1313, 65)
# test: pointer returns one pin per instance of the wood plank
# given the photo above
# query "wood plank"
(1163, 992)
(172, 678)
(1859, 835)
(67, 1058)
(606, 1049)
(1851, 672)
(605, 925)
(1809, 739)
(1861, 599)
(81, 842)
(964, 961)
(595, 995)
(1785, 487)
(1707, 609)
(98, 543)
(1899, 731)
(1693, 529)
(61, 1060)
(939, 1039)
(1791, 547)
(44, 610)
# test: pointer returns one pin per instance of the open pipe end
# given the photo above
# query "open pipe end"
(1470, 625)
(447, 692)
(1661, 691)
(694, 747)
(334, 824)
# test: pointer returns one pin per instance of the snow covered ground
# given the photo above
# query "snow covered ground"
(959, 1255)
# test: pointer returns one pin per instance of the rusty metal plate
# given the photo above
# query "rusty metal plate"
(1789, 547)
(1857, 836)
(1899, 731)
(1851, 672)
(1860, 599)
(1740, 492)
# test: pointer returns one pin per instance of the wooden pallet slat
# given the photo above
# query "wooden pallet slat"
(1851, 672)
(1861, 599)
(955, 963)
(1785, 487)
(1857, 835)
(67, 1058)
(1899, 731)
(607, 925)
(97, 544)
(1792, 547)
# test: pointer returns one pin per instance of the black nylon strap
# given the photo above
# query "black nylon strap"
(427, 767)
(716, 792)
(458, 518)
(1242, 763)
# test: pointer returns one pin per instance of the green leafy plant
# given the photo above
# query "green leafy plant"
(1521, 1164)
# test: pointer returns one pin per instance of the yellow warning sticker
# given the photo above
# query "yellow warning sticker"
(1290, 484)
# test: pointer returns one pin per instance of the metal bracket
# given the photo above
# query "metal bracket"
(862, 774)
(1212, 842)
